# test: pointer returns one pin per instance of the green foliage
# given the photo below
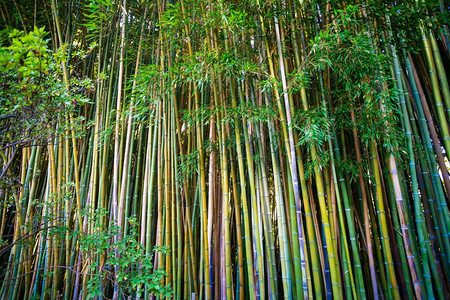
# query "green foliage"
(141, 100)
(301, 79)
(34, 100)
(313, 125)
(188, 165)
(133, 267)
(361, 79)
(202, 115)
(243, 111)
(252, 112)
(97, 14)
(406, 19)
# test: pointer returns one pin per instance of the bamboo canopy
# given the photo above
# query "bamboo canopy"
(201, 149)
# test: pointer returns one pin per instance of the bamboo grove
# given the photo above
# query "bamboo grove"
(207, 149)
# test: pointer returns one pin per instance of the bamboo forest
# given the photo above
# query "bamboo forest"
(224, 149)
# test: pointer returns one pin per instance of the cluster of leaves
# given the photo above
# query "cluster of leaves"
(204, 66)
(97, 15)
(188, 166)
(198, 67)
(177, 16)
(251, 112)
(203, 115)
(406, 18)
(245, 110)
(142, 100)
(362, 81)
(203, 16)
(350, 167)
(133, 267)
(314, 126)
(34, 99)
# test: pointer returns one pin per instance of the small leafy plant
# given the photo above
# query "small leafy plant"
(126, 261)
